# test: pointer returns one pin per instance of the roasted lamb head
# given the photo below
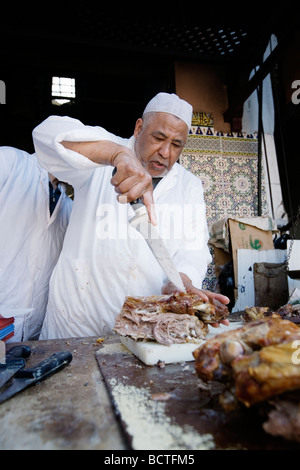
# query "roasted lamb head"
(266, 373)
(214, 358)
(258, 364)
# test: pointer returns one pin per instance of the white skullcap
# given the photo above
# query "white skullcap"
(172, 104)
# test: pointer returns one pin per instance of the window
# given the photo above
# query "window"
(63, 90)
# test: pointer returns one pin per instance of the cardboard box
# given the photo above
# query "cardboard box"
(244, 236)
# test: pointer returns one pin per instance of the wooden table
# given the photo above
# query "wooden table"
(69, 410)
(106, 399)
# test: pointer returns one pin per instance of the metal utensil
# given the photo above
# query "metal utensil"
(156, 244)
(27, 377)
(15, 361)
(18, 351)
(140, 222)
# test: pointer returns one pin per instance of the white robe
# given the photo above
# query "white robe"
(104, 259)
(30, 240)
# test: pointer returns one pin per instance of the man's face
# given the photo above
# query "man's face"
(160, 139)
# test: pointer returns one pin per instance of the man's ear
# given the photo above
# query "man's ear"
(138, 127)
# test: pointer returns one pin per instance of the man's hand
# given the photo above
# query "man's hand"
(132, 181)
(169, 288)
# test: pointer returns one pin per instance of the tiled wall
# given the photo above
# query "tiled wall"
(227, 166)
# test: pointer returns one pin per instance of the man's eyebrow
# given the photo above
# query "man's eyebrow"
(161, 134)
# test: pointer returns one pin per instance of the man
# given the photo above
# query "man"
(104, 259)
(31, 236)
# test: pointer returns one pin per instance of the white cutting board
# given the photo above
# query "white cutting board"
(150, 352)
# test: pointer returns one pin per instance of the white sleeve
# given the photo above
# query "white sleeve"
(65, 164)
(8, 160)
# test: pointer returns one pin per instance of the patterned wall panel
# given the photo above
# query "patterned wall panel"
(227, 166)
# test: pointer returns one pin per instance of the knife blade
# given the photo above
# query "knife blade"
(156, 244)
(28, 377)
(15, 361)
(141, 222)
(10, 369)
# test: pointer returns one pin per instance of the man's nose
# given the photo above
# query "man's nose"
(164, 150)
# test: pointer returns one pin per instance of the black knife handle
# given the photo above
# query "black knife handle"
(47, 367)
(17, 363)
(136, 201)
(17, 352)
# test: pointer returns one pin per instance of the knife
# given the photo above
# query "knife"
(141, 223)
(27, 377)
(18, 351)
(15, 360)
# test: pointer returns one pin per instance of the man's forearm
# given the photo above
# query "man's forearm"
(103, 152)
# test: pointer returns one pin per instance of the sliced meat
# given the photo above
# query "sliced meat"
(192, 304)
(168, 319)
(165, 328)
